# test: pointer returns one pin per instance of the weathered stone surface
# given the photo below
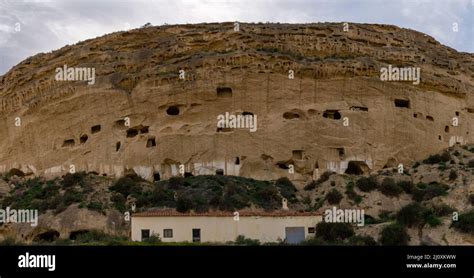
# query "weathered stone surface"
(4, 187)
(72, 220)
(137, 76)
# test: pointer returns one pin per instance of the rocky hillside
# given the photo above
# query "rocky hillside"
(416, 207)
(158, 91)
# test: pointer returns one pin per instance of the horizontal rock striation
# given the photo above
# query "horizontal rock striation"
(335, 114)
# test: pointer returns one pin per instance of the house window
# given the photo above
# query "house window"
(311, 230)
(168, 233)
(145, 234)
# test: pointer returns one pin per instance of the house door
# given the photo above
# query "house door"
(196, 235)
(294, 235)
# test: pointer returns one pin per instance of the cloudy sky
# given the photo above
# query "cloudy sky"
(29, 27)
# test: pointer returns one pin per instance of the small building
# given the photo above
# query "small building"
(220, 227)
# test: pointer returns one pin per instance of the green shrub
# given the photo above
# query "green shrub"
(324, 177)
(432, 220)
(126, 185)
(91, 236)
(287, 189)
(394, 234)
(390, 188)
(445, 156)
(72, 196)
(367, 184)
(433, 159)
(161, 197)
(436, 158)
(74, 179)
(362, 240)
(8, 241)
(429, 191)
(176, 182)
(470, 164)
(386, 215)
(268, 198)
(314, 241)
(453, 175)
(407, 186)
(119, 202)
(442, 210)
(310, 186)
(234, 197)
(465, 222)
(411, 215)
(242, 240)
(334, 197)
(184, 203)
(154, 238)
(351, 194)
(334, 231)
(96, 206)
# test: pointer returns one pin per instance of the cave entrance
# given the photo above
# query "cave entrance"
(357, 168)
(74, 234)
(49, 235)
(291, 115)
(83, 138)
(402, 103)
(156, 176)
(117, 146)
(297, 154)
(151, 142)
(95, 129)
(16, 172)
(68, 143)
(172, 111)
(332, 114)
(224, 92)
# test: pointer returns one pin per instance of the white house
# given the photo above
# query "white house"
(220, 227)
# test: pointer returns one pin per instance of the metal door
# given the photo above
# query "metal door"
(294, 235)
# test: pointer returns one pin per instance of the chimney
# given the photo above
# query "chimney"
(284, 204)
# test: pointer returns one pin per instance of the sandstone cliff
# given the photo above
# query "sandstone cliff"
(173, 120)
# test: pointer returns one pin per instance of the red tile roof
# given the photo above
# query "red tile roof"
(174, 213)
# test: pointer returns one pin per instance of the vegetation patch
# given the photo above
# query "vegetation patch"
(394, 234)
(465, 222)
(367, 184)
(390, 188)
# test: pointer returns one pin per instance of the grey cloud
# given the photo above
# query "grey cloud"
(49, 25)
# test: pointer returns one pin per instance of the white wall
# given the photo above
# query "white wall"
(221, 229)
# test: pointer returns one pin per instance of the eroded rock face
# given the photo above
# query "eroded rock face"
(173, 121)
(67, 224)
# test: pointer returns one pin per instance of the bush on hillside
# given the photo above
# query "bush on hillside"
(390, 188)
(367, 184)
(394, 234)
(334, 231)
(334, 197)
